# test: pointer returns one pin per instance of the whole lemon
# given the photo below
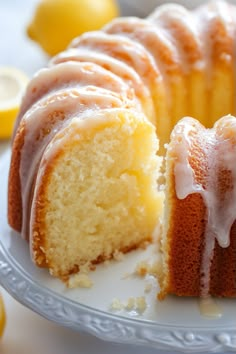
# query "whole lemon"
(57, 22)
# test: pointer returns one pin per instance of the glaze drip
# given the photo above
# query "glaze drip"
(185, 182)
(209, 308)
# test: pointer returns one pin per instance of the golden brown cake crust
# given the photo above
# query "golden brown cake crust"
(14, 185)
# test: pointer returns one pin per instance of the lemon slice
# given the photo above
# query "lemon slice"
(12, 86)
(2, 316)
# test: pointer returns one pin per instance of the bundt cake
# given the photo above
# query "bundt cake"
(199, 230)
(84, 167)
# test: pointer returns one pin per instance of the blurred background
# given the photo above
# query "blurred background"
(15, 47)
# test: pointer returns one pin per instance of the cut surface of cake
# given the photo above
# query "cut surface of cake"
(198, 241)
(94, 188)
(83, 181)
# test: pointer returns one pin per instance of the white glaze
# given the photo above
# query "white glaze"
(70, 75)
(169, 10)
(164, 54)
(121, 69)
(130, 52)
(185, 183)
(155, 40)
(181, 28)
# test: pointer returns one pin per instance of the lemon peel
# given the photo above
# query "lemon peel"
(12, 86)
(2, 316)
(56, 22)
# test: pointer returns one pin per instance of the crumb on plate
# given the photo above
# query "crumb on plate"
(133, 303)
(79, 280)
(144, 267)
(130, 304)
(141, 304)
(148, 287)
(116, 305)
(118, 256)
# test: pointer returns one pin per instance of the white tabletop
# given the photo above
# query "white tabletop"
(27, 332)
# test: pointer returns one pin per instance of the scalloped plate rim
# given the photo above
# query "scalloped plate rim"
(16, 265)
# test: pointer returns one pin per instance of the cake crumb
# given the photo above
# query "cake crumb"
(148, 288)
(141, 304)
(143, 268)
(137, 304)
(144, 245)
(116, 305)
(79, 280)
(130, 304)
(118, 256)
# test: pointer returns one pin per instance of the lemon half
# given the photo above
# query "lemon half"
(2, 316)
(12, 87)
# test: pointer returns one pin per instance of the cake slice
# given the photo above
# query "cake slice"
(198, 242)
(95, 191)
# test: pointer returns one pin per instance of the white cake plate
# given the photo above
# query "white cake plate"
(174, 324)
